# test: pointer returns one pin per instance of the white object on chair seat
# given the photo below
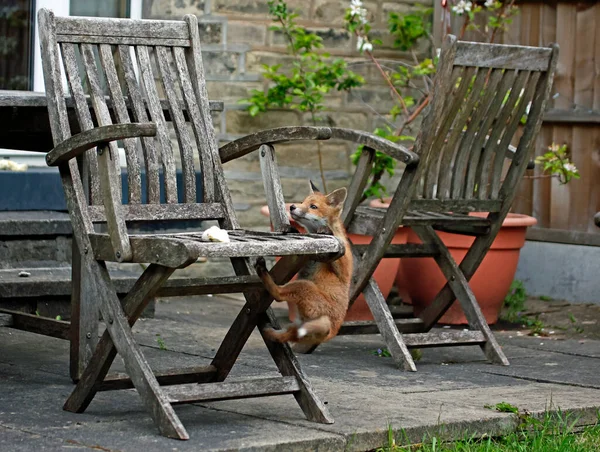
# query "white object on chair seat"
(215, 234)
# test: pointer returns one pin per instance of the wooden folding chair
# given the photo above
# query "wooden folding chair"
(124, 66)
(481, 95)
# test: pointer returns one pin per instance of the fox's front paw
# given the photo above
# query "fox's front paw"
(260, 266)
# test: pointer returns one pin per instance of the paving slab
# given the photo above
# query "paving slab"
(365, 393)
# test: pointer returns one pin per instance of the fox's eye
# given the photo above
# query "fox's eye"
(312, 206)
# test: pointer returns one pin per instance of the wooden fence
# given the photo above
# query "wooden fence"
(573, 117)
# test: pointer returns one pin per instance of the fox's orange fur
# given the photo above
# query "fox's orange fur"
(320, 295)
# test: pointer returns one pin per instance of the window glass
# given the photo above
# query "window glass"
(15, 44)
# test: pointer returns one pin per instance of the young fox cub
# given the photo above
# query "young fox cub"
(321, 292)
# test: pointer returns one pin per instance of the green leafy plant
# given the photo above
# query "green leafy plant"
(161, 342)
(382, 353)
(303, 84)
(503, 407)
(556, 163)
(514, 302)
(514, 305)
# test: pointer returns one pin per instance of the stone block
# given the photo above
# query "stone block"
(257, 7)
(379, 98)
(349, 120)
(181, 7)
(333, 38)
(256, 60)
(240, 122)
(222, 63)
(211, 32)
(231, 91)
(246, 33)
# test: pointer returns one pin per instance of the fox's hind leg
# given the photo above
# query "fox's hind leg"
(300, 291)
(317, 328)
(313, 331)
(265, 277)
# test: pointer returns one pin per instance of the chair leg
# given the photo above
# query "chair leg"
(387, 327)
(288, 365)
(134, 304)
(84, 318)
(256, 313)
(119, 332)
(459, 285)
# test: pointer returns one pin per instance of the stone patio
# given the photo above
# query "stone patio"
(365, 393)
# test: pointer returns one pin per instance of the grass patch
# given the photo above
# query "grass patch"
(553, 432)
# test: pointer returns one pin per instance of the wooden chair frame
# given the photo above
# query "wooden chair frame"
(93, 50)
(480, 95)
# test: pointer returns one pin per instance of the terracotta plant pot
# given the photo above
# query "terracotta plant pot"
(384, 275)
(420, 278)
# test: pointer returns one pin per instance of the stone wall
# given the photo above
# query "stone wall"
(237, 41)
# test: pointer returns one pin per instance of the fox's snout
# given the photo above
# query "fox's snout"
(293, 207)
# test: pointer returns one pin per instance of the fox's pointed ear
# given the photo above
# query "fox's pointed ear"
(313, 187)
(337, 197)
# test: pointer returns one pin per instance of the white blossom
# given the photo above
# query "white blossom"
(362, 45)
(489, 3)
(357, 10)
(570, 167)
(462, 6)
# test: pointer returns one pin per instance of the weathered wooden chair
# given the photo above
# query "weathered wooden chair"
(480, 97)
(135, 60)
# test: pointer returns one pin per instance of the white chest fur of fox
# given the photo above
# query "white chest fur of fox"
(321, 294)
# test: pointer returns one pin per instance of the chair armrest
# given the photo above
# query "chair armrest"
(249, 143)
(78, 144)
(394, 150)
(597, 219)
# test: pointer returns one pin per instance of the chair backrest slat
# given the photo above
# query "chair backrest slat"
(460, 80)
(468, 190)
(183, 138)
(89, 161)
(509, 133)
(196, 119)
(503, 56)
(491, 145)
(102, 28)
(465, 151)
(448, 161)
(480, 98)
(140, 115)
(98, 100)
(207, 140)
(134, 180)
(157, 116)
